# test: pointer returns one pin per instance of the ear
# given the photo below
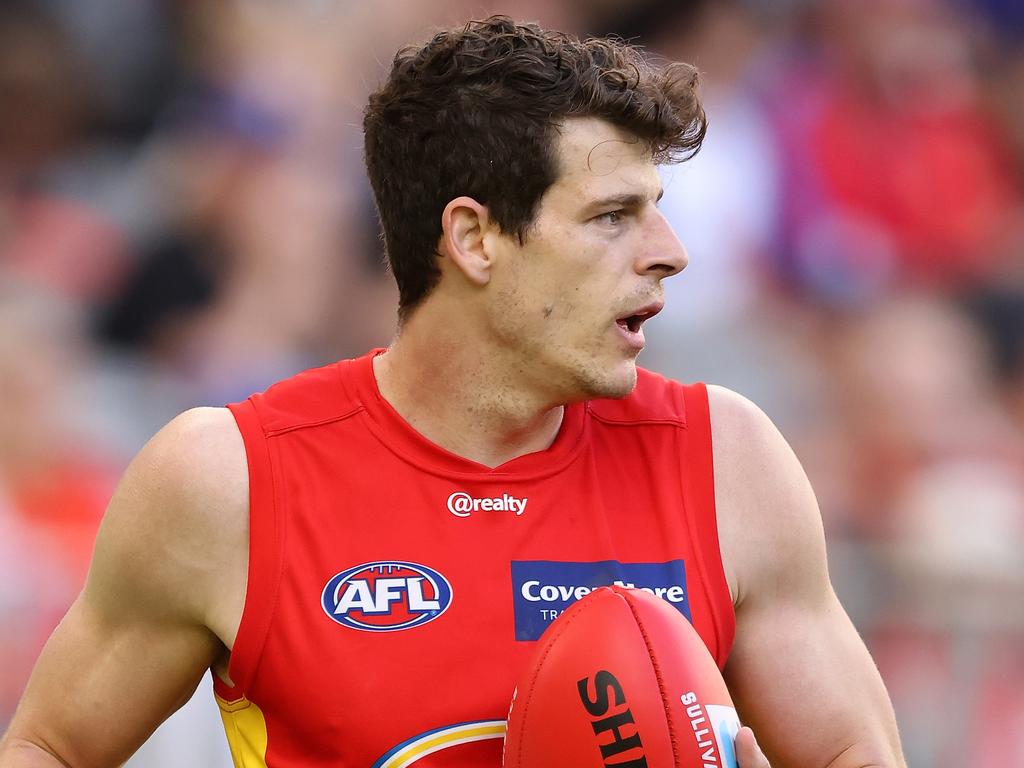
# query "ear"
(464, 224)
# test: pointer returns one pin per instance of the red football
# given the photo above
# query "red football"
(621, 679)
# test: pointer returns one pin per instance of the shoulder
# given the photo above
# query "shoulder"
(769, 525)
(313, 396)
(741, 431)
(748, 447)
(196, 460)
(190, 441)
(176, 530)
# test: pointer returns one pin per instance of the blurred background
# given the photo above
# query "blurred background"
(184, 218)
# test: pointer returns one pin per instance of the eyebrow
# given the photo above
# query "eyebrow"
(628, 200)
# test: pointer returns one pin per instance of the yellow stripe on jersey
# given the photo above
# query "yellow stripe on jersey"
(246, 729)
(428, 743)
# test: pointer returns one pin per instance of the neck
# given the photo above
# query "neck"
(451, 391)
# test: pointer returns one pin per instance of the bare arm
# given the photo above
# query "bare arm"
(150, 620)
(799, 673)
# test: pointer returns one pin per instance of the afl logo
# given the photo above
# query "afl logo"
(385, 596)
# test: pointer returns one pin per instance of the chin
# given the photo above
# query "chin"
(611, 383)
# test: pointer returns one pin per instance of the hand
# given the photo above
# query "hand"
(748, 753)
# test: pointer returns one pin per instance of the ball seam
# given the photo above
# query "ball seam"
(658, 676)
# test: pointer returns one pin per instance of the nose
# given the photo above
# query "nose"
(661, 253)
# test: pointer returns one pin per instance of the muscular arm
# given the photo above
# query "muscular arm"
(799, 673)
(165, 573)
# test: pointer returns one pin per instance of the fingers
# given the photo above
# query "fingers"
(748, 753)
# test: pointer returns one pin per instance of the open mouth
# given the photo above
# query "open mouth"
(632, 323)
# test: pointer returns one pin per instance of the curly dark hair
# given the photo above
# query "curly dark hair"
(476, 111)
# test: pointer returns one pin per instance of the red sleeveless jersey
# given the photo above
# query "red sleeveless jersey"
(395, 589)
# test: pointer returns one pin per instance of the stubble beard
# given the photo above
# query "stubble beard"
(597, 382)
(570, 372)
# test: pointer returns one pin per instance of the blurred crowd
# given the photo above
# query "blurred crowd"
(184, 219)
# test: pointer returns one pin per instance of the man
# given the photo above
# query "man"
(364, 553)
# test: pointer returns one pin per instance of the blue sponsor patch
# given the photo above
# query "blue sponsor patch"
(542, 589)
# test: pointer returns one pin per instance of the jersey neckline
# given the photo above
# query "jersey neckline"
(401, 438)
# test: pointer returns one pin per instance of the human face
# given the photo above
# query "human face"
(570, 302)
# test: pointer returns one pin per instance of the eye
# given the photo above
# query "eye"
(611, 217)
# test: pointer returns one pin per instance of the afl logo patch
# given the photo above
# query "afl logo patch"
(385, 596)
